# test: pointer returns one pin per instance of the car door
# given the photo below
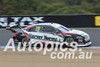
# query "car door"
(34, 35)
(50, 34)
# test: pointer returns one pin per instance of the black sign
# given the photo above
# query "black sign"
(66, 20)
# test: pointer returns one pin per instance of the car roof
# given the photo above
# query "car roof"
(47, 24)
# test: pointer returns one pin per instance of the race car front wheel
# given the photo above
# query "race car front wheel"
(69, 40)
(25, 40)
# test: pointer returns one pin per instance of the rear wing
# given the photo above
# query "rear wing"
(12, 30)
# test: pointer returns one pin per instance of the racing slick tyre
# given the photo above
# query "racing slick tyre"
(68, 40)
(16, 40)
(25, 40)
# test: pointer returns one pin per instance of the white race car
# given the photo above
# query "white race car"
(51, 32)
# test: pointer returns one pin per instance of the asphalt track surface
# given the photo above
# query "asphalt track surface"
(94, 33)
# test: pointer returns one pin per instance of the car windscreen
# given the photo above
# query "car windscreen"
(63, 29)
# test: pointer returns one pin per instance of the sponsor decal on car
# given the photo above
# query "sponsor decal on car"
(44, 38)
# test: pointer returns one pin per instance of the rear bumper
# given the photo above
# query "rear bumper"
(84, 45)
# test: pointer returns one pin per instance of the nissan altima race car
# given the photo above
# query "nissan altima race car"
(51, 32)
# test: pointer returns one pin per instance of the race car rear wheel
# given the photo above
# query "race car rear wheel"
(25, 40)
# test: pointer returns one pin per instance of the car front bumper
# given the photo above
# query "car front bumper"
(84, 45)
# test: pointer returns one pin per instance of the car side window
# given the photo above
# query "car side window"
(32, 29)
(36, 29)
(48, 29)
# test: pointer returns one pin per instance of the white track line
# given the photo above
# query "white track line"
(92, 47)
